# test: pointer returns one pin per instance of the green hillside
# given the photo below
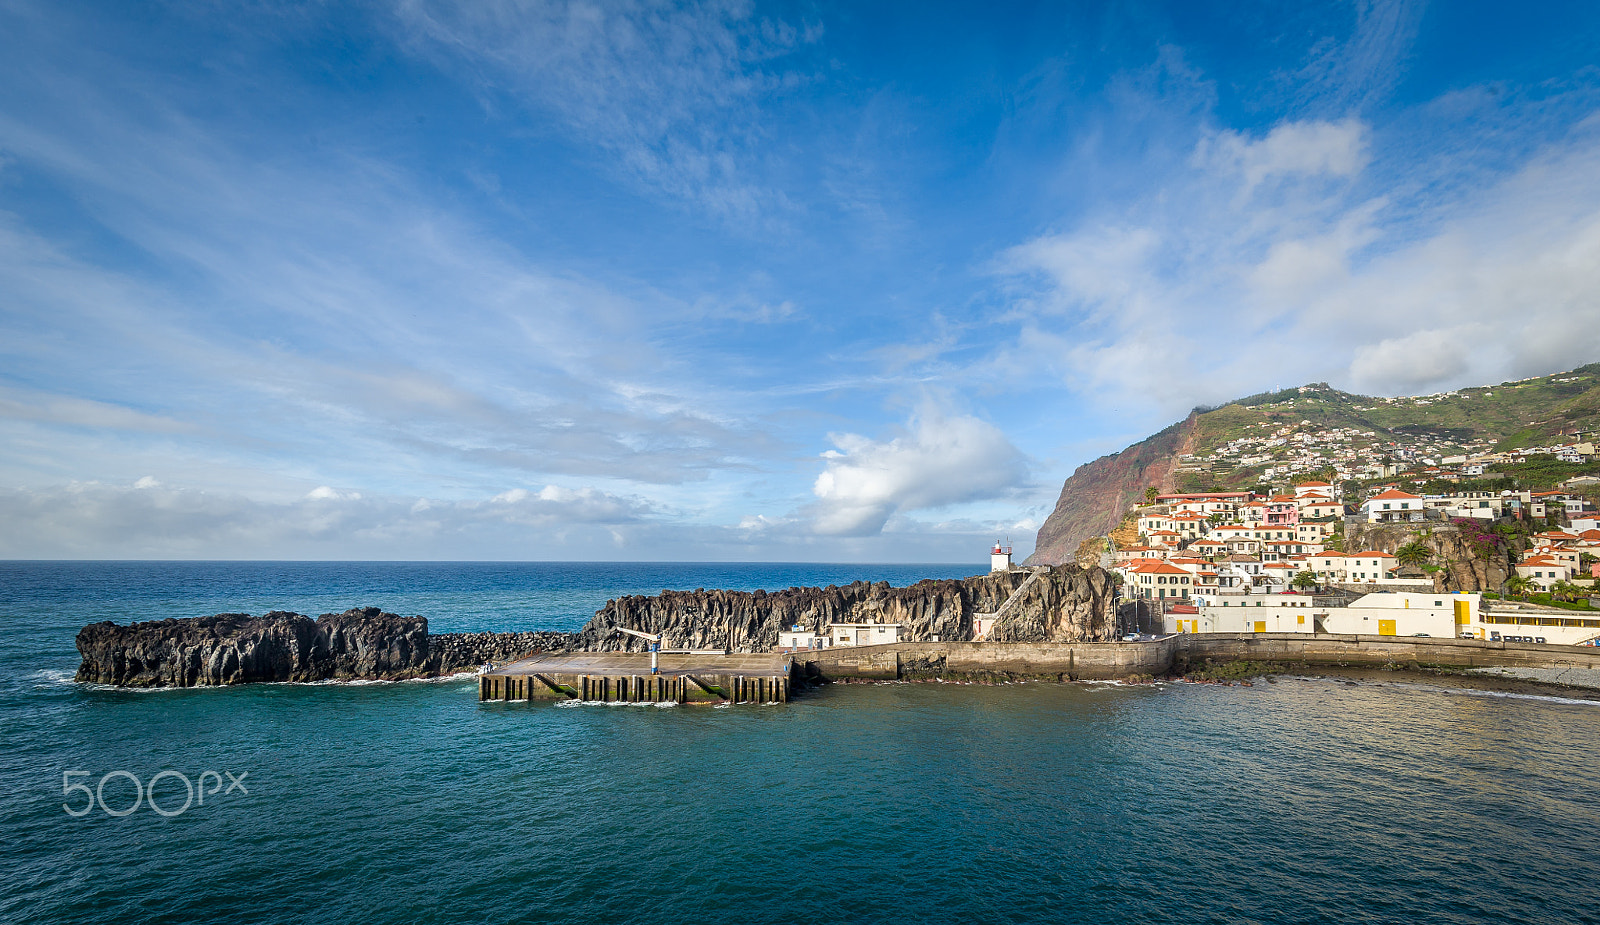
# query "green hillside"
(1541, 411)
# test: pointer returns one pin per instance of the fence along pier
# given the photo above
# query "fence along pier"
(625, 677)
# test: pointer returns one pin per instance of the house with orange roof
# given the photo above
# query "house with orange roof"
(1320, 508)
(1159, 581)
(1393, 506)
(1282, 511)
(1370, 565)
(1303, 489)
(1165, 538)
(1192, 526)
(1545, 570)
(1311, 532)
(1329, 565)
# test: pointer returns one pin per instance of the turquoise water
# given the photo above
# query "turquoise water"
(1304, 800)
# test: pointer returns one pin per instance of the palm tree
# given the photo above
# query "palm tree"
(1519, 586)
(1150, 494)
(1414, 554)
(1564, 590)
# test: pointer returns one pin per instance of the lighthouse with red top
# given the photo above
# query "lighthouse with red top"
(1000, 558)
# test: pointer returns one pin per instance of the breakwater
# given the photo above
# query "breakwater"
(1578, 666)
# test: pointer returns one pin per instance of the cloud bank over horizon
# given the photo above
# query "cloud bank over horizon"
(733, 280)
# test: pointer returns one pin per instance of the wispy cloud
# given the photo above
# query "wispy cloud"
(1275, 260)
(671, 93)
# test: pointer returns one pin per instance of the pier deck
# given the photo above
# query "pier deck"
(625, 676)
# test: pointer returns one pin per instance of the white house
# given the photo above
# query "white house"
(1393, 505)
(863, 634)
(1368, 566)
(1545, 570)
(797, 638)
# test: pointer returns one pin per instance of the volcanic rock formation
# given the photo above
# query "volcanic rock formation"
(236, 648)
(1067, 603)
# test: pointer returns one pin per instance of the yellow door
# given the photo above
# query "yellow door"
(1261, 626)
(1463, 612)
(1386, 628)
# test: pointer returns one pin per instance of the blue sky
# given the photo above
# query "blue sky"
(740, 281)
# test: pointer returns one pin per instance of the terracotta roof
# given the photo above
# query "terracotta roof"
(1540, 560)
(1395, 494)
(1372, 552)
(1161, 567)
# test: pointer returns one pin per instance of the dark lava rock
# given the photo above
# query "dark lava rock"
(236, 648)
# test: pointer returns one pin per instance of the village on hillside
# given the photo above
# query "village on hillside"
(1367, 557)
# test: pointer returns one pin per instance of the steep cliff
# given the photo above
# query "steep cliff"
(236, 648)
(1064, 603)
(1095, 497)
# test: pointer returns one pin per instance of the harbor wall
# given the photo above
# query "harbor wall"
(1089, 661)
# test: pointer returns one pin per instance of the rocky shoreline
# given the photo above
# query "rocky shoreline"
(363, 643)
(1066, 603)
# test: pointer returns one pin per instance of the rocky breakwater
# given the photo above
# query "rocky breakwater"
(1060, 604)
(235, 648)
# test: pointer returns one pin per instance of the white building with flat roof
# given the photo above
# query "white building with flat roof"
(863, 634)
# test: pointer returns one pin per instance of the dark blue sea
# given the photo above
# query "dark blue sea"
(1297, 800)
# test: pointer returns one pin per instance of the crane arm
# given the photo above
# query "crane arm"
(647, 637)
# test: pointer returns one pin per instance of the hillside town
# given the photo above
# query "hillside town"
(1198, 559)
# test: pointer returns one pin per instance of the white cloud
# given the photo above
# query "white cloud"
(1418, 359)
(1337, 149)
(1255, 270)
(940, 460)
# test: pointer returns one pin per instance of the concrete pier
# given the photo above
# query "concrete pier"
(625, 677)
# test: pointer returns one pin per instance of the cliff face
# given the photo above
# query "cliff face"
(1464, 566)
(236, 648)
(1095, 497)
(1066, 603)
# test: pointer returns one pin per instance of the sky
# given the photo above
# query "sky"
(740, 281)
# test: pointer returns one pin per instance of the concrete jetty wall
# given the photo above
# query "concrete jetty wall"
(1087, 661)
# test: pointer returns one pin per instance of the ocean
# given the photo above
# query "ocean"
(1296, 799)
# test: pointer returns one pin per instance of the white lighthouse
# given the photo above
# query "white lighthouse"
(1000, 558)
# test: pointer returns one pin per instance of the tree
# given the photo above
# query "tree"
(1519, 586)
(1150, 494)
(1414, 554)
(1564, 590)
(1304, 580)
